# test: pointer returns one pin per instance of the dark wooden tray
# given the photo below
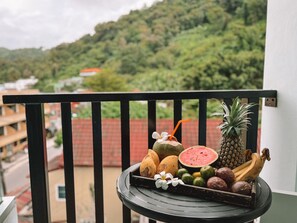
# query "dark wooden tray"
(200, 192)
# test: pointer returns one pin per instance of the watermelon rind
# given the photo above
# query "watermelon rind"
(195, 157)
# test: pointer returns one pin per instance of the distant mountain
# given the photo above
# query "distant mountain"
(173, 45)
(30, 53)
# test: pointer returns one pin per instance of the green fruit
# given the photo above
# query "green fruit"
(167, 148)
(199, 181)
(180, 172)
(207, 172)
(187, 178)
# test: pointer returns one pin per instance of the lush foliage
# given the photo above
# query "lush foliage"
(138, 110)
(59, 139)
(173, 45)
(106, 81)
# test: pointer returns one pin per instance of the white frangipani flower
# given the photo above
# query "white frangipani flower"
(163, 179)
(176, 181)
(160, 138)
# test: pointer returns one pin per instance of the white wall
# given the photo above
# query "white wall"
(279, 125)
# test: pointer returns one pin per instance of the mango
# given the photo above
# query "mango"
(147, 167)
(169, 164)
(151, 153)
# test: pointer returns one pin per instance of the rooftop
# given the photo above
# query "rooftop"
(82, 140)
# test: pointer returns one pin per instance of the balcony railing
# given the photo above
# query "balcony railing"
(37, 146)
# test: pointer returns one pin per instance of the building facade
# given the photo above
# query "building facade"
(13, 135)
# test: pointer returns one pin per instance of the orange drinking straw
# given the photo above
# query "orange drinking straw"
(176, 127)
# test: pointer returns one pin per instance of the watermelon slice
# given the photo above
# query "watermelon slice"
(195, 157)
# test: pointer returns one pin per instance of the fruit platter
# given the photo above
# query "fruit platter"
(227, 175)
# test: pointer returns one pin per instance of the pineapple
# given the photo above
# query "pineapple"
(235, 120)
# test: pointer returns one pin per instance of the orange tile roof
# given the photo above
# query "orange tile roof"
(86, 70)
(111, 139)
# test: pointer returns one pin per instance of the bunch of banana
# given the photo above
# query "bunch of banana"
(249, 170)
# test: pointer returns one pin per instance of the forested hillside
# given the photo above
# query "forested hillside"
(173, 45)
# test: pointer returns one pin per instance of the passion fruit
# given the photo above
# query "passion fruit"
(241, 187)
(226, 174)
(217, 184)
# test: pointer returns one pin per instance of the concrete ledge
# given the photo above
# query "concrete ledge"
(8, 213)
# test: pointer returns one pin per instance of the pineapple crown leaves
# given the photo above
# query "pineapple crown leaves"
(235, 118)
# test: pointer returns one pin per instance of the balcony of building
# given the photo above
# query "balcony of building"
(278, 131)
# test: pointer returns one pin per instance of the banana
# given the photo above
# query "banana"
(242, 167)
(251, 171)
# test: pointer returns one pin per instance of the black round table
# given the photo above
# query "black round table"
(173, 208)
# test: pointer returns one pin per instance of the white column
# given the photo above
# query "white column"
(279, 125)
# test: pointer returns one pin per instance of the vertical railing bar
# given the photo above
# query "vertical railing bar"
(68, 161)
(125, 133)
(125, 141)
(98, 163)
(228, 101)
(152, 118)
(38, 163)
(177, 115)
(202, 121)
(152, 221)
(252, 131)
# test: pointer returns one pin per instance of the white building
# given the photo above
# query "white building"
(21, 84)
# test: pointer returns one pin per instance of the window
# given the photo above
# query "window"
(9, 149)
(1, 111)
(61, 193)
(2, 131)
(15, 126)
(12, 107)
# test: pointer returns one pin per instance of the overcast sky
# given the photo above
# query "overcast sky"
(47, 23)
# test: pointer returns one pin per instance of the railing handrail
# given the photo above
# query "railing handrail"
(134, 96)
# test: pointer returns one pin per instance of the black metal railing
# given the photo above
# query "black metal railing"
(37, 146)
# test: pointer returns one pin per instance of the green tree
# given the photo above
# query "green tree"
(159, 80)
(106, 81)
(133, 59)
(253, 11)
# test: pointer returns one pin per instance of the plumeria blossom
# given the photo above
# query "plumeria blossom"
(163, 179)
(176, 181)
(160, 138)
